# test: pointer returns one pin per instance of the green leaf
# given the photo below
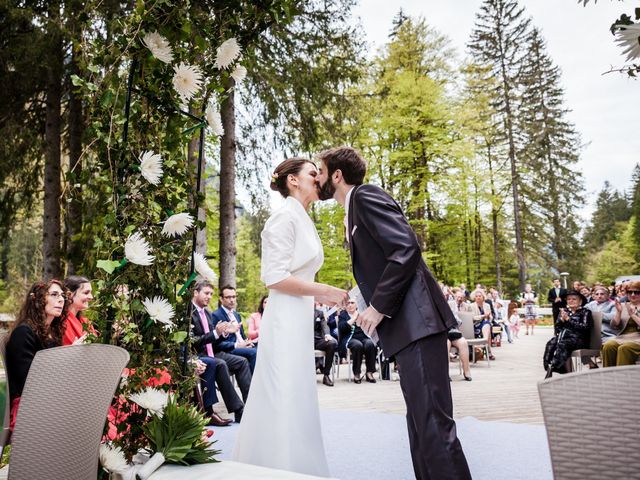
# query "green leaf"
(108, 265)
(179, 337)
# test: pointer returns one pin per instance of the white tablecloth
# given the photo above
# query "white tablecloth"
(226, 470)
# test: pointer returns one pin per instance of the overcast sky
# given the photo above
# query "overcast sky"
(604, 107)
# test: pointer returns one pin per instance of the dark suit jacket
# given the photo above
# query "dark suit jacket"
(200, 339)
(392, 276)
(229, 343)
(556, 306)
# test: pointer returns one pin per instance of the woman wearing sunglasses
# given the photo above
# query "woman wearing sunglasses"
(625, 348)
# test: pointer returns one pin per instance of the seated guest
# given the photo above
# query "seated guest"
(341, 317)
(625, 348)
(586, 292)
(601, 303)
(332, 321)
(498, 312)
(358, 342)
(322, 340)
(236, 343)
(482, 319)
(255, 319)
(459, 302)
(77, 327)
(206, 335)
(39, 325)
(455, 339)
(574, 325)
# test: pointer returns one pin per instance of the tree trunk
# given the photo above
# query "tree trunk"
(494, 224)
(515, 182)
(227, 188)
(52, 187)
(195, 161)
(74, 205)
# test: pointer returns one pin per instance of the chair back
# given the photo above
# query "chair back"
(63, 410)
(466, 327)
(577, 410)
(595, 342)
(5, 433)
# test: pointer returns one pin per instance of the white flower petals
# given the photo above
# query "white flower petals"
(214, 120)
(227, 53)
(160, 310)
(153, 400)
(202, 267)
(151, 166)
(159, 46)
(628, 37)
(112, 459)
(137, 250)
(187, 81)
(239, 74)
(177, 225)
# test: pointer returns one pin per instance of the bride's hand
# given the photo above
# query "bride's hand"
(333, 296)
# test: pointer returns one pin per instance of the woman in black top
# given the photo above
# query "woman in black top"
(573, 330)
(39, 325)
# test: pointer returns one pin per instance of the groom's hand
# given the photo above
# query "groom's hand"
(369, 320)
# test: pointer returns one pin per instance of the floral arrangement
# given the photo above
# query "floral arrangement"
(175, 434)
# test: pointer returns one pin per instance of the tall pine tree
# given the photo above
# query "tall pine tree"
(498, 40)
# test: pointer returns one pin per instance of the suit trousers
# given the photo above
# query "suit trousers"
(248, 353)
(217, 372)
(362, 345)
(239, 367)
(424, 378)
(329, 348)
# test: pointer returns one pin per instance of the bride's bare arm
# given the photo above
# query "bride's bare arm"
(326, 294)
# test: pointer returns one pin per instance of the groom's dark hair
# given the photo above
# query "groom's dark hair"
(348, 161)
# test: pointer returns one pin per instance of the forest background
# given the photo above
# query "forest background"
(480, 154)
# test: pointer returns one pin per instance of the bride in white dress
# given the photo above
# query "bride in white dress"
(280, 426)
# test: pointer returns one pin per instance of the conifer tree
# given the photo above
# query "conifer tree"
(553, 184)
(498, 41)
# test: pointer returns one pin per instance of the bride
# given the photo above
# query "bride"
(281, 422)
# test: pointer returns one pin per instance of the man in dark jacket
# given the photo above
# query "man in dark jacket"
(405, 307)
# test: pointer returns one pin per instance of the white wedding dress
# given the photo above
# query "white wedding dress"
(280, 426)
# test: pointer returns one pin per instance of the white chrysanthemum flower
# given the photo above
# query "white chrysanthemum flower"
(137, 250)
(151, 166)
(177, 224)
(239, 74)
(160, 310)
(203, 268)
(112, 459)
(628, 37)
(153, 400)
(187, 81)
(159, 46)
(214, 120)
(227, 53)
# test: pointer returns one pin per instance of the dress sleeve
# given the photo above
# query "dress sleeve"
(278, 241)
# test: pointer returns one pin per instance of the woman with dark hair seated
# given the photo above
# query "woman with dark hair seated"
(39, 325)
(360, 345)
(572, 333)
(77, 326)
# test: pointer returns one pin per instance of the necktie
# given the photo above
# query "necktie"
(205, 328)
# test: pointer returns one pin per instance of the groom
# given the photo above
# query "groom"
(406, 308)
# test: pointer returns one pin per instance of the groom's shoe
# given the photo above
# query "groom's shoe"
(238, 415)
(217, 421)
(327, 381)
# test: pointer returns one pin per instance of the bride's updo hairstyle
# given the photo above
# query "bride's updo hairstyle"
(291, 166)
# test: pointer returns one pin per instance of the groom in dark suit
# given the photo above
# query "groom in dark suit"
(405, 306)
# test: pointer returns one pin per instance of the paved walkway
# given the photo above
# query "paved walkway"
(506, 391)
